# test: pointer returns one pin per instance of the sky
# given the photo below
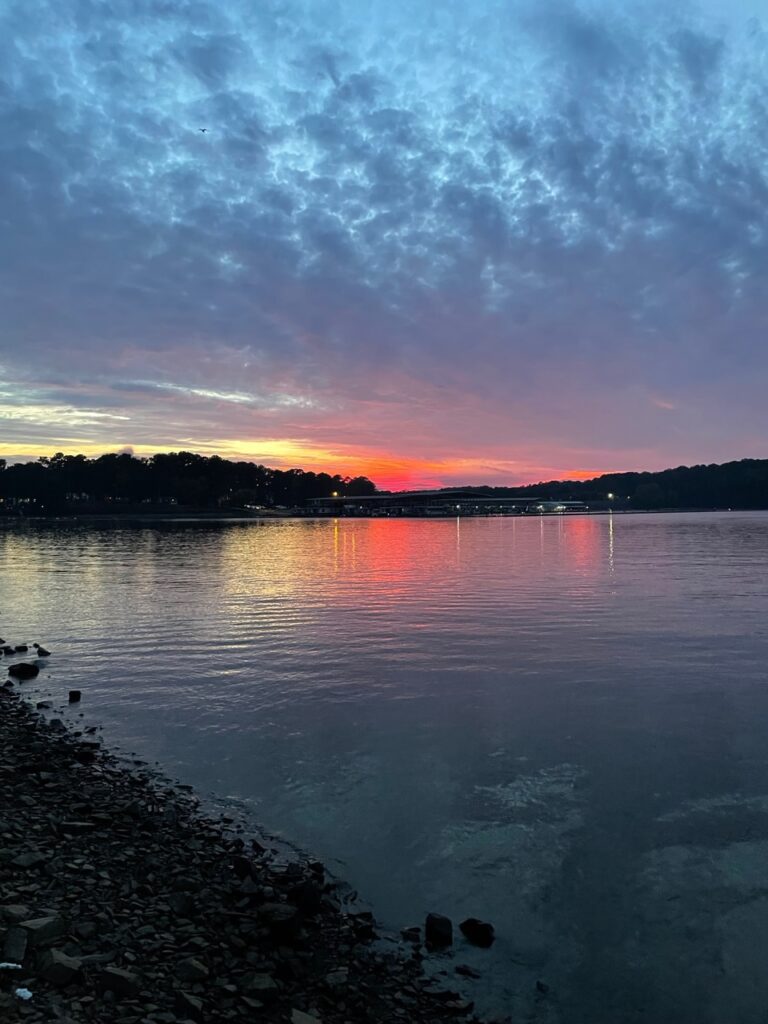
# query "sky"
(431, 241)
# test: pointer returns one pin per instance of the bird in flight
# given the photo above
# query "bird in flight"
(202, 130)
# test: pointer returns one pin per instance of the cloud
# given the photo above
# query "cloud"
(498, 225)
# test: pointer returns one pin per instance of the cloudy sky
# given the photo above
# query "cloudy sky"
(429, 240)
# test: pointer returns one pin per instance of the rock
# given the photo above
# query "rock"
(192, 970)
(412, 934)
(123, 984)
(188, 1005)
(338, 977)
(98, 959)
(15, 945)
(74, 696)
(43, 929)
(438, 931)
(299, 1017)
(459, 1007)
(542, 987)
(466, 971)
(20, 649)
(241, 866)
(43, 705)
(23, 670)
(85, 929)
(14, 912)
(281, 918)
(58, 968)
(479, 933)
(30, 859)
(363, 923)
(308, 897)
(263, 986)
(181, 903)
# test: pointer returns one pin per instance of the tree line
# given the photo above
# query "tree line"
(741, 484)
(119, 481)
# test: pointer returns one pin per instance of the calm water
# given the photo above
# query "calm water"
(559, 725)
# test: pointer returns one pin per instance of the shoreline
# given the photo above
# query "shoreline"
(246, 517)
(123, 903)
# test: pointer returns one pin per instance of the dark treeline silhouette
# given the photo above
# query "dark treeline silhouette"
(74, 482)
(742, 484)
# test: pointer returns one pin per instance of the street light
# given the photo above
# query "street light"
(611, 497)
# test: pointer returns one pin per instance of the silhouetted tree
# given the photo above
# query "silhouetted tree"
(60, 482)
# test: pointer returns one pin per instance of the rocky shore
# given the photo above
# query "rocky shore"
(121, 903)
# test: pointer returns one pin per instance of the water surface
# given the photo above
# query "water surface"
(556, 724)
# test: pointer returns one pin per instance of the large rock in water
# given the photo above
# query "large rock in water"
(23, 670)
(438, 930)
(479, 933)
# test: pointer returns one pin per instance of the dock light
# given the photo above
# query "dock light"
(335, 494)
(611, 497)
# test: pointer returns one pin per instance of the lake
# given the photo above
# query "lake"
(556, 724)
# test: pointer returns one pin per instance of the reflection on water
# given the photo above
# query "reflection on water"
(556, 724)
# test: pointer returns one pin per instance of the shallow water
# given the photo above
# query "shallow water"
(555, 724)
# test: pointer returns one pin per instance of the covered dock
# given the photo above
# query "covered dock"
(436, 503)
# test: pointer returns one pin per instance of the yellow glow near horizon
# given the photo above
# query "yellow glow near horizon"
(387, 470)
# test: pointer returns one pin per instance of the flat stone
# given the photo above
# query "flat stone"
(299, 1017)
(58, 968)
(263, 986)
(192, 970)
(123, 984)
(30, 859)
(188, 1005)
(466, 971)
(15, 945)
(14, 912)
(181, 903)
(43, 929)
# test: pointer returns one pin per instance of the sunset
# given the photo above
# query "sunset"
(383, 511)
(438, 244)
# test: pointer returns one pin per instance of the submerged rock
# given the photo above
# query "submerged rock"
(479, 933)
(23, 670)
